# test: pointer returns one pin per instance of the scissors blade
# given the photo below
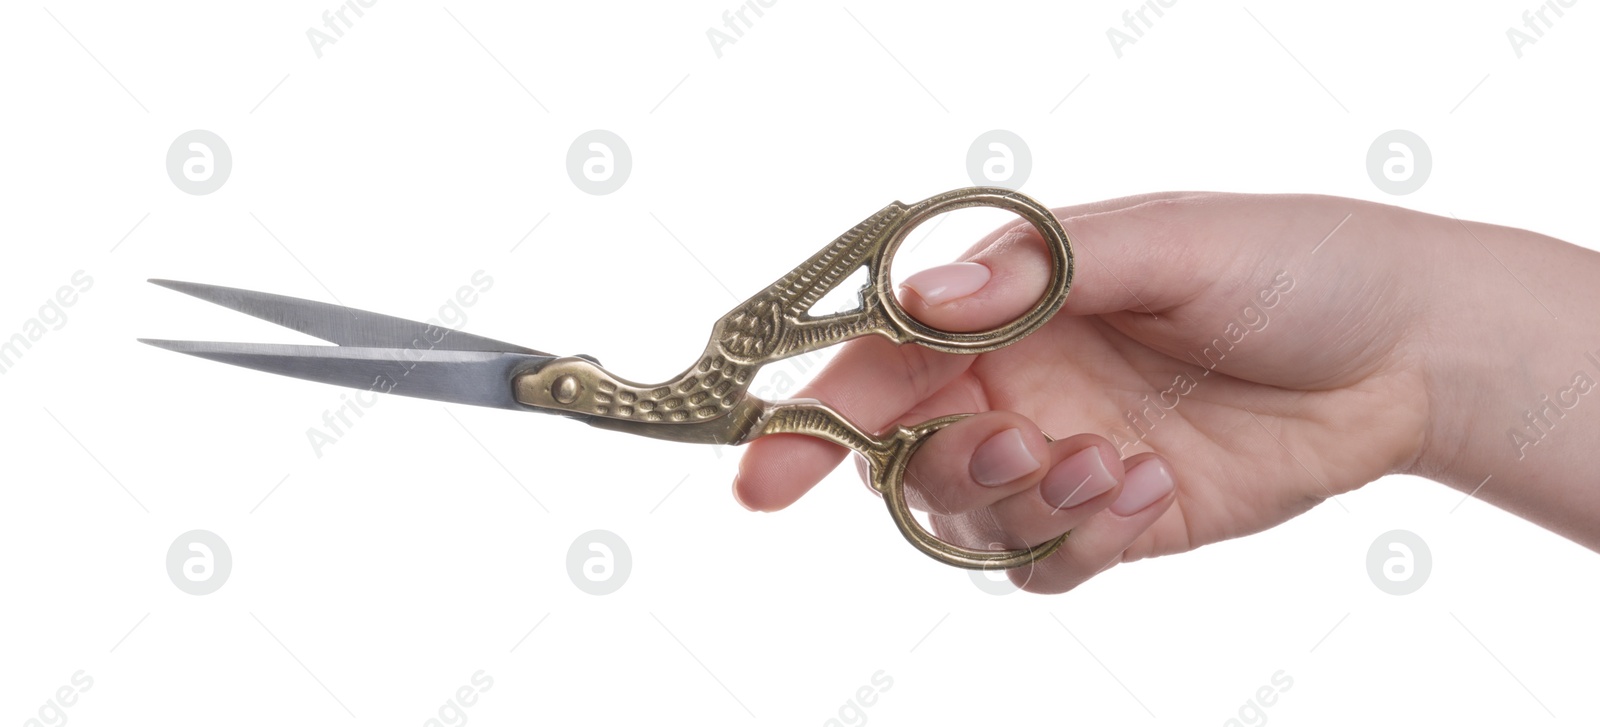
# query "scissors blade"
(339, 324)
(480, 378)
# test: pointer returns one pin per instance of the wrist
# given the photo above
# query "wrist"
(1466, 349)
(1505, 369)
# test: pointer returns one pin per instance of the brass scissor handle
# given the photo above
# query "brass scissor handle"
(710, 402)
(874, 243)
(887, 460)
(889, 478)
(776, 323)
(1057, 246)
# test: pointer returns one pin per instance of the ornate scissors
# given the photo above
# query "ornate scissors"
(710, 402)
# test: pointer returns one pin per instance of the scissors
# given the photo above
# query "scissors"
(709, 403)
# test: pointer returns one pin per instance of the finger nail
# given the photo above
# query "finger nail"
(1077, 479)
(1003, 458)
(948, 282)
(1146, 483)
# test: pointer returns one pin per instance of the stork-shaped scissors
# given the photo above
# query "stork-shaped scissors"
(709, 403)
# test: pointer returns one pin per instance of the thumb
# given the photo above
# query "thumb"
(1130, 254)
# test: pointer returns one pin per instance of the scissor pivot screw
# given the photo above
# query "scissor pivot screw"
(565, 389)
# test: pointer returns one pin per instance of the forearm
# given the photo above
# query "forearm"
(1512, 353)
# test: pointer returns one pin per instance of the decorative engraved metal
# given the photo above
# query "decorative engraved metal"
(710, 402)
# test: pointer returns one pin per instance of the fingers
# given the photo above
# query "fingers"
(1133, 255)
(992, 482)
(1104, 526)
(976, 462)
(1019, 488)
(1144, 259)
(872, 382)
(1085, 479)
(1147, 492)
(983, 291)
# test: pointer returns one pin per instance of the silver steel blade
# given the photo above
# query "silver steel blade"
(480, 378)
(341, 325)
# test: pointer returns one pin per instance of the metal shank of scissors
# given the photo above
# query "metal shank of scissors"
(710, 403)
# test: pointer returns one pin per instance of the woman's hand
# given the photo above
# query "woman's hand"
(1222, 364)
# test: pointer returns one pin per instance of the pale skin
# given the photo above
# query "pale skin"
(1221, 365)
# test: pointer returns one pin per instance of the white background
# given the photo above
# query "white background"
(370, 583)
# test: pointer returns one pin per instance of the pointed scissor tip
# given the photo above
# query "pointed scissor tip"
(161, 343)
(177, 285)
(193, 348)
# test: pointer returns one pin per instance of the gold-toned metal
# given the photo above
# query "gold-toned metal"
(710, 402)
(565, 390)
(887, 457)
